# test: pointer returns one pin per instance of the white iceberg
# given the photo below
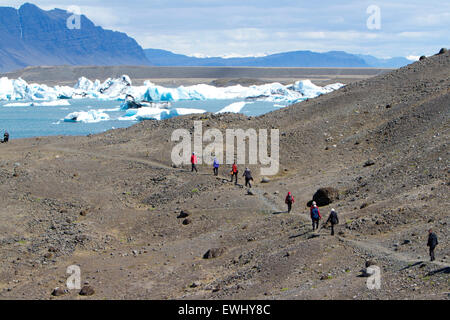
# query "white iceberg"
(234, 107)
(55, 103)
(90, 116)
(150, 113)
(310, 90)
(120, 88)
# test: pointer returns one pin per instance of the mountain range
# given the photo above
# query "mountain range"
(330, 59)
(31, 36)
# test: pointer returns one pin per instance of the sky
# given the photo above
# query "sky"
(407, 28)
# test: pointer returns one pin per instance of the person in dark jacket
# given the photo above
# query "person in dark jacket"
(5, 137)
(289, 201)
(432, 243)
(315, 216)
(194, 162)
(234, 172)
(248, 177)
(216, 166)
(333, 220)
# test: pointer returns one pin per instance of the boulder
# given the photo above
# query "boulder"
(422, 58)
(187, 221)
(183, 214)
(369, 163)
(87, 291)
(265, 180)
(443, 50)
(58, 292)
(325, 196)
(214, 253)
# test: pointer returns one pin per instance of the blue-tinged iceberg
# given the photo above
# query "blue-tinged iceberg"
(310, 90)
(121, 88)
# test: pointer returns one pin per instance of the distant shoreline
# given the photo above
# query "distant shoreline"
(176, 76)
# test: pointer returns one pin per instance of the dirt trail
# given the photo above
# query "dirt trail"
(388, 254)
(107, 156)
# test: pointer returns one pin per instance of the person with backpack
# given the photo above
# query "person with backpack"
(248, 177)
(315, 215)
(216, 166)
(289, 201)
(432, 243)
(333, 220)
(234, 172)
(194, 162)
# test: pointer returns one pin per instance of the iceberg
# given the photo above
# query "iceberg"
(55, 103)
(234, 107)
(90, 116)
(150, 113)
(119, 89)
(310, 90)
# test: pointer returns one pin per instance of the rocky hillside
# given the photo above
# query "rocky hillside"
(140, 228)
(31, 36)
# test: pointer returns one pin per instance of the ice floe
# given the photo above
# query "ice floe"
(151, 113)
(90, 116)
(234, 107)
(55, 103)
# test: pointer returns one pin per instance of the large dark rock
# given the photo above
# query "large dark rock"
(57, 292)
(87, 291)
(214, 253)
(183, 214)
(325, 196)
(369, 163)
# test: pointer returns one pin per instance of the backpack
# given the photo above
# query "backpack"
(289, 198)
(315, 213)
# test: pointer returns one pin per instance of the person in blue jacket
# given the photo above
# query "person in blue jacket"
(216, 166)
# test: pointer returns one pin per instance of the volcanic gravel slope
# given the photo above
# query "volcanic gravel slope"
(109, 203)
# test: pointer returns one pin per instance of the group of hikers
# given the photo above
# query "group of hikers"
(315, 215)
(233, 173)
(5, 137)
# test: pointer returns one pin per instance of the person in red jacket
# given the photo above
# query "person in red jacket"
(234, 173)
(289, 201)
(315, 215)
(194, 162)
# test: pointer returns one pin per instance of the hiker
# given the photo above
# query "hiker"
(289, 201)
(432, 243)
(333, 219)
(194, 162)
(234, 172)
(248, 177)
(216, 167)
(315, 215)
(5, 137)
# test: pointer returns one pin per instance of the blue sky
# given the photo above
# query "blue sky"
(256, 27)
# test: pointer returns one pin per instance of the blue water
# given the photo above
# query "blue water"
(27, 122)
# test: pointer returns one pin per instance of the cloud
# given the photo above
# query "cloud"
(234, 27)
